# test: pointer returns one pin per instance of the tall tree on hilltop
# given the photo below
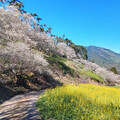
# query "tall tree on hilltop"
(114, 70)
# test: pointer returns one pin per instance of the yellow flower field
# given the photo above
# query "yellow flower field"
(82, 102)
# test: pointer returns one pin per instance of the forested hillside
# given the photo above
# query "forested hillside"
(104, 57)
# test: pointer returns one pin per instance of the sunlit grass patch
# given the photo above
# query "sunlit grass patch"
(80, 69)
(94, 76)
(82, 102)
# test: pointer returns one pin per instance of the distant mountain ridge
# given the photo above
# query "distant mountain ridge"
(104, 57)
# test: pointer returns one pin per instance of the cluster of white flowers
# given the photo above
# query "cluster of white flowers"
(20, 32)
(21, 55)
(15, 26)
(12, 26)
(66, 50)
(103, 72)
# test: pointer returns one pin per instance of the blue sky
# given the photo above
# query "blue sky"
(85, 22)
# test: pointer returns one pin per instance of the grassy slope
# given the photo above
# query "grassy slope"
(60, 63)
(81, 70)
(73, 70)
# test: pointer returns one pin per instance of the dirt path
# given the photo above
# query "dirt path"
(21, 107)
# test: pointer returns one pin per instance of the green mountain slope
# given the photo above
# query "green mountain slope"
(104, 57)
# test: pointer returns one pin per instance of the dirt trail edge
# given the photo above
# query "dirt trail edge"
(21, 107)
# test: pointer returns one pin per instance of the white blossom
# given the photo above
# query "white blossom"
(66, 50)
(103, 72)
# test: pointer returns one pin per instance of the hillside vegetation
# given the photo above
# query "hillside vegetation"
(104, 57)
(82, 102)
(31, 58)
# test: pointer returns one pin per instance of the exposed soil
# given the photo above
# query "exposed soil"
(21, 107)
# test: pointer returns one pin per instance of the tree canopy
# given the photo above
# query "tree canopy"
(79, 49)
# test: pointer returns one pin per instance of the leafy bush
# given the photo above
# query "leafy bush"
(113, 69)
(82, 102)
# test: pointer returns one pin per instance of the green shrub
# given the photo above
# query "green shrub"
(114, 70)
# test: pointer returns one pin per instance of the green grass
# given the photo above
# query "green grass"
(118, 87)
(56, 60)
(35, 50)
(82, 102)
(94, 76)
(72, 68)
(80, 69)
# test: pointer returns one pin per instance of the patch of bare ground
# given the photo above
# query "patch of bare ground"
(21, 107)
